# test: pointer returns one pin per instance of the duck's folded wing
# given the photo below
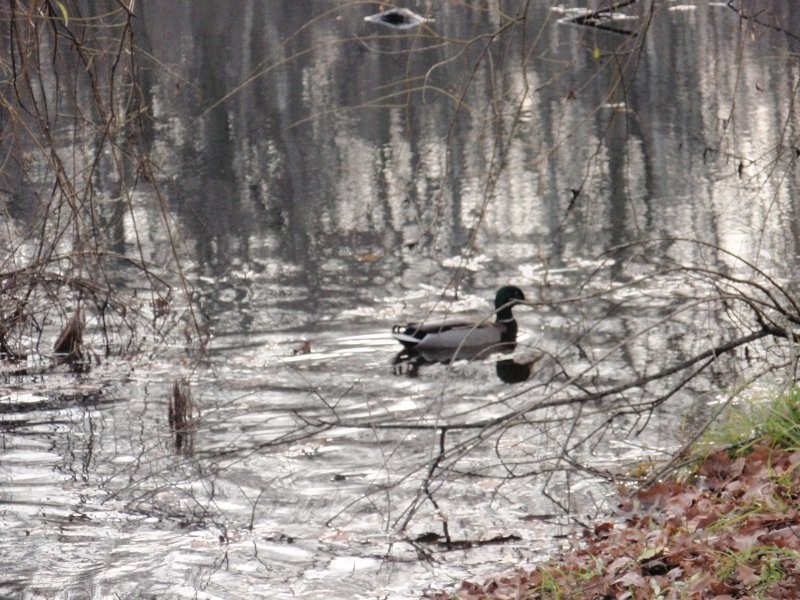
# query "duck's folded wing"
(447, 333)
(413, 333)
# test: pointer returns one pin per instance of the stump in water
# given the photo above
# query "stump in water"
(181, 416)
(69, 345)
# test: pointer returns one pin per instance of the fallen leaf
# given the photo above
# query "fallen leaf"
(632, 578)
(746, 574)
(368, 257)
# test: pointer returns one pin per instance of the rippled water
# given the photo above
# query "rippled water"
(292, 488)
(328, 180)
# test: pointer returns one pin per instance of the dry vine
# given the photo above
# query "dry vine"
(74, 160)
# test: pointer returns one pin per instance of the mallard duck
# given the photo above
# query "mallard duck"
(452, 334)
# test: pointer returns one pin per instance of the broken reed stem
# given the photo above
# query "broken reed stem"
(181, 415)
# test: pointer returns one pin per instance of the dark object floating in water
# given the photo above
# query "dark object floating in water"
(399, 18)
(599, 18)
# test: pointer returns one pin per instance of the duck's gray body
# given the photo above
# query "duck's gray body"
(451, 334)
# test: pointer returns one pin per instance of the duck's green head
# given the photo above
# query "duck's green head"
(507, 296)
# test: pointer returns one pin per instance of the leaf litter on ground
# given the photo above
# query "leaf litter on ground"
(731, 530)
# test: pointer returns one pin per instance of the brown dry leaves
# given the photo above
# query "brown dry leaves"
(734, 532)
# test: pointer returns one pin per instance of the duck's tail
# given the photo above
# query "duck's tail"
(402, 335)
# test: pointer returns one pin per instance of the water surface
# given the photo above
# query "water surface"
(329, 177)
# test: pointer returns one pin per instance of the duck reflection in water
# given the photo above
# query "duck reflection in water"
(445, 340)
